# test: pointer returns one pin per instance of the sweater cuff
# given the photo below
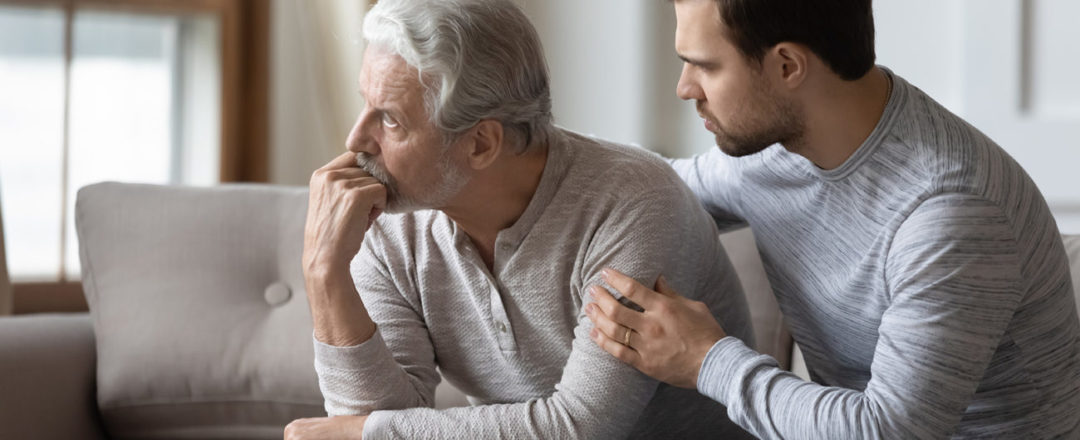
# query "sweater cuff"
(721, 366)
(377, 426)
(353, 357)
(353, 379)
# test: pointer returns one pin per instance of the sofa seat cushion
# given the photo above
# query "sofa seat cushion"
(198, 307)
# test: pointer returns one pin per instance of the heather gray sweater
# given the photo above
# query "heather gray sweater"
(515, 339)
(924, 279)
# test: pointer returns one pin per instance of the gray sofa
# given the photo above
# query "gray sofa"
(199, 326)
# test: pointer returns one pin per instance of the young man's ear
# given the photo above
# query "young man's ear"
(486, 144)
(788, 63)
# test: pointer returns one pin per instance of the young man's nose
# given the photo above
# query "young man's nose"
(687, 88)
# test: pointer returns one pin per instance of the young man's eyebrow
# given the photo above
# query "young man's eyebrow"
(696, 62)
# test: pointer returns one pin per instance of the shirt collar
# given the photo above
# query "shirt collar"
(558, 160)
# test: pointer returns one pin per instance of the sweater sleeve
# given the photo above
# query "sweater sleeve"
(954, 278)
(597, 395)
(393, 369)
(712, 177)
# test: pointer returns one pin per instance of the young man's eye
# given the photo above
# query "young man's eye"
(389, 121)
(707, 68)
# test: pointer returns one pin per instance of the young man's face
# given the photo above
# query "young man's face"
(395, 140)
(736, 101)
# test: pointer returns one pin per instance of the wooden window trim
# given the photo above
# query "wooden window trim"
(245, 83)
(63, 297)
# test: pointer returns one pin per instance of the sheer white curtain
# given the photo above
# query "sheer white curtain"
(315, 57)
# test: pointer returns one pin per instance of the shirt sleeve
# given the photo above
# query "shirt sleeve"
(395, 368)
(954, 278)
(597, 395)
(712, 177)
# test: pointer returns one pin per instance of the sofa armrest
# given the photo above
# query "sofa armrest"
(47, 367)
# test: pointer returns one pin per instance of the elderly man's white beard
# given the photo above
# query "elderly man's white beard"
(451, 180)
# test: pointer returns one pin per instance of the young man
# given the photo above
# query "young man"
(489, 286)
(917, 265)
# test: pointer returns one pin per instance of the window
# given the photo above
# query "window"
(123, 90)
(31, 136)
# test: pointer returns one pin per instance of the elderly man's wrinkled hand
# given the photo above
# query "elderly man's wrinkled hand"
(344, 201)
(668, 341)
(326, 428)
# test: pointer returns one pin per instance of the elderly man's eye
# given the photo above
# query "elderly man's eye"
(389, 121)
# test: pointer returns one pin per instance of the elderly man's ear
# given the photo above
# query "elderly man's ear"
(485, 144)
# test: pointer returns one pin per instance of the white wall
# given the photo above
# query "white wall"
(911, 39)
(614, 70)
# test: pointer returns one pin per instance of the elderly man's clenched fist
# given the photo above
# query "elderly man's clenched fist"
(343, 203)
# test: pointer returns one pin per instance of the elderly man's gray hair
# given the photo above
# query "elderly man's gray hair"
(478, 59)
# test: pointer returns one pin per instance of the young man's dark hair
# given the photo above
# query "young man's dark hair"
(840, 32)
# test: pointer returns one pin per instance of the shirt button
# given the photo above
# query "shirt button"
(501, 326)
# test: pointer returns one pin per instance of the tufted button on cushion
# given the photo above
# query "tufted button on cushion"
(277, 294)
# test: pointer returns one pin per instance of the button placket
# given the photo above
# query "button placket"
(504, 251)
(501, 321)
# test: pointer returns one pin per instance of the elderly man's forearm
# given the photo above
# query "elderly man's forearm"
(338, 314)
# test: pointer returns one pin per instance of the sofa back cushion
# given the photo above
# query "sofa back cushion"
(199, 311)
(771, 336)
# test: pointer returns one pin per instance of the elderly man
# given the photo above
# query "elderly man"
(490, 285)
(918, 266)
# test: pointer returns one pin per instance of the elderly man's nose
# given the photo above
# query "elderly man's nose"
(360, 140)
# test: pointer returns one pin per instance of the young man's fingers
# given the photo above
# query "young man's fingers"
(622, 334)
(629, 288)
(614, 310)
(621, 352)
